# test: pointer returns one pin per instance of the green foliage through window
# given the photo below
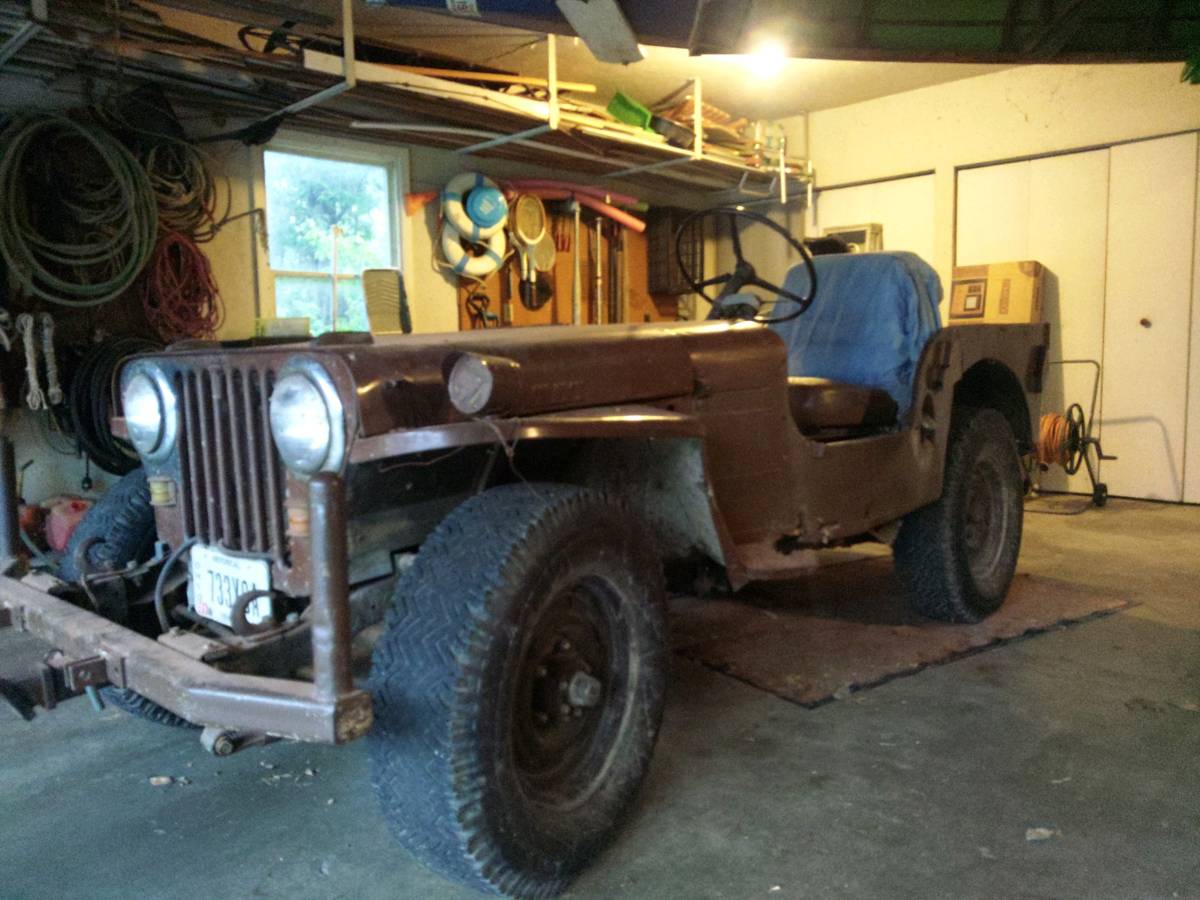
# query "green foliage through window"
(307, 197)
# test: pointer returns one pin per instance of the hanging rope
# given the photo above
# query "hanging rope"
(178, 292)
(79, 218)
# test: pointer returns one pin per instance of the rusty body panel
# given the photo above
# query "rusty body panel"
(691, 421)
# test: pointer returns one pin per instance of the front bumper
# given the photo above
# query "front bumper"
(327, 710)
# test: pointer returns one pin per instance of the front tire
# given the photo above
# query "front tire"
(518, 687)
(957, 556)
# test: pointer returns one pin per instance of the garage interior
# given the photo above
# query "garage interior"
(180, 173)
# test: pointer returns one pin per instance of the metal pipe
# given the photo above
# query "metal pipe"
(552, 77)
(519, 137)
(598, 316)
(330, 587)
(9, 529)
(577, 280)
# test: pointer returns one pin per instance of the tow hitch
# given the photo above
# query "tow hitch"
(51, 680)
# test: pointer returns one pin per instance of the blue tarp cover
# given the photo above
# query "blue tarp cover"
(870, 320)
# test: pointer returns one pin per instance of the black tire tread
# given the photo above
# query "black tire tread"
(122, 519)
(137, 705)
(924, 549)
(427, 674)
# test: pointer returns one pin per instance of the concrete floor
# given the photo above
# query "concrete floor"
(923, 787)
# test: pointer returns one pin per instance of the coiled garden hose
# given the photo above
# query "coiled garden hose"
(79, 217)
(91, 403)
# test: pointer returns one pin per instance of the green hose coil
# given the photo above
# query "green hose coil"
(104, 214)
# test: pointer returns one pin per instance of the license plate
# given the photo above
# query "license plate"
(218, 579)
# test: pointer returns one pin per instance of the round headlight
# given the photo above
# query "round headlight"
(306, 420)
(149, 408)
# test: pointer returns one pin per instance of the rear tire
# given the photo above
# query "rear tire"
(518, 687)
(957, 556)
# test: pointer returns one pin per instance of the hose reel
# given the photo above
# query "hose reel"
(1065, 439)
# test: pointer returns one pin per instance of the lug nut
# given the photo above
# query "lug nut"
(584, 690)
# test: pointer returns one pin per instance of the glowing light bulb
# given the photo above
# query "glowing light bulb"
(767, 58)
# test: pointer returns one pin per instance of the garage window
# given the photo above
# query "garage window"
(328, 219)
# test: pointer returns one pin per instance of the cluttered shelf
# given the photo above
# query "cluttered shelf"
(484, 113)
(691, 143)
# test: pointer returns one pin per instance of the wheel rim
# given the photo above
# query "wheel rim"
(571, 686)
(985, 520)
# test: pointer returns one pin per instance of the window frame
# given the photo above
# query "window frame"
(394, 159)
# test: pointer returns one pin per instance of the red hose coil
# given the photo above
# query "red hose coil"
(178, 292)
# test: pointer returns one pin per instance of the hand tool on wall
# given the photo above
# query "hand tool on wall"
(577, 283)
(615, 238)
(598, 316)
(527, 219)
(506, 308)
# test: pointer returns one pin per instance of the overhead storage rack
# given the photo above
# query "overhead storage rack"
(326, 91)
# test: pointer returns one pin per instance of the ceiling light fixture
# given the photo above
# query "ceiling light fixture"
(766, 59)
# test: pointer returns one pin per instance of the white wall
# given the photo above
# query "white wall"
(903, 206)
(1054, 210)
(1014, 113)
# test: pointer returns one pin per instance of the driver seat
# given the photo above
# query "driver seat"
(821, 406)
(853, 355)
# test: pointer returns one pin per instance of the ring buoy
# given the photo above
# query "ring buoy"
(455, 193)
(464, 263)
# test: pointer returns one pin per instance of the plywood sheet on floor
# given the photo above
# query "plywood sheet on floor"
(847, 627)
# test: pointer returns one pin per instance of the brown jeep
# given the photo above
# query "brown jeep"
(492, 511)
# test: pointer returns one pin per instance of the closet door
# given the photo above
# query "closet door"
(1191, 466)
(1053, 210)
(1151, 221)
(993, 215)
(1068, 219)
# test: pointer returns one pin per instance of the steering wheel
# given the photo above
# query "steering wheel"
(743, 273)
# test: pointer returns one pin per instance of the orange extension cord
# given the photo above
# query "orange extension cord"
(178, 292)
(1053, 434)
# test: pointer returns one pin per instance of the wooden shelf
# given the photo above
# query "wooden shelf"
(486, 123)
(329, 92)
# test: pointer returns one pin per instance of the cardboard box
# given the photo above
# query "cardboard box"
(1009, 293)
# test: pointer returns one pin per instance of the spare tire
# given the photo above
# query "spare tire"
(118, 530)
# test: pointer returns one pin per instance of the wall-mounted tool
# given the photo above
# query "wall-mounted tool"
(543, 258)
(577, 281)
(478, 311)
(598, 317)
(506, 307)
(527, 221)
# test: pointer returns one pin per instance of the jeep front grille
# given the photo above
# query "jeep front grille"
(233, 488)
